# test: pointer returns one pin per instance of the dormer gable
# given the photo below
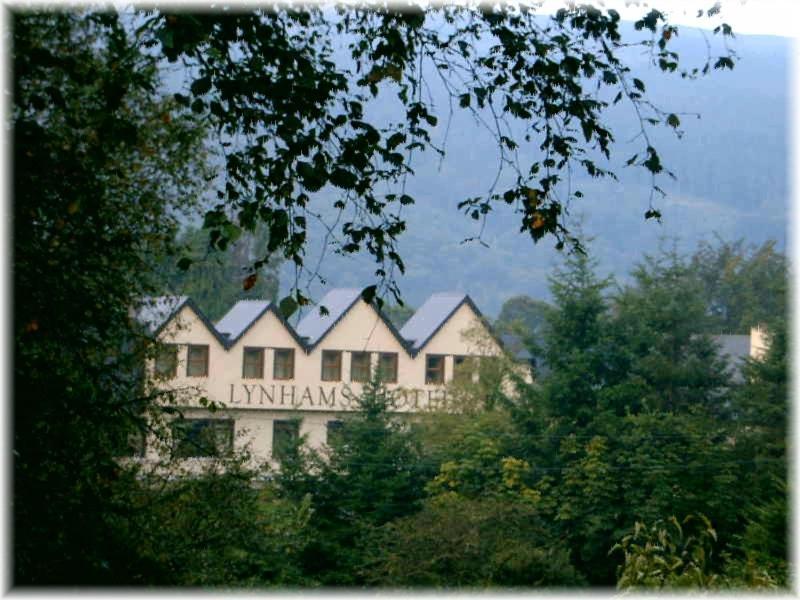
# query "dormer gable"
(157, 313)
(436, 313)
(244, 315)
(339, 303)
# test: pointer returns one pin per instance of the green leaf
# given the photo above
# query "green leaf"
(201, 86)
(463, 100)
(343, 179)
(673, 120)
(184, 263)
(368, 293)
(395, 140)
(312, 178)
(166, 37)
(287, 307)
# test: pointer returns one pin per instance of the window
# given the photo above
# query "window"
(434, 369)
(285, 435)
(283, 366)
(201, 437)
(359, 366)
(387, 367)
(462, 369)
(167, 361)
(197, 362)
(335, 431)
(253, 363)
(331, 365)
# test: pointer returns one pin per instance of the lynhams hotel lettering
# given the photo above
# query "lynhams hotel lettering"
(287, 396)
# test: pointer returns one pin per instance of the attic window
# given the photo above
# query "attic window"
(197, 363)
(167, 361)
(387, 367)
(359, 366)
(462, 369)
(331, 365)
(253, 363)
(283, 365)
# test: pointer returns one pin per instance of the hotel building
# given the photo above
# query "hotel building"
(272, 381)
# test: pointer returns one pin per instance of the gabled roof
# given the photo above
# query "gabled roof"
(244, 314)
(430, 317)
(155, 313)
(314, 327)
(240, 317)
(433, 314)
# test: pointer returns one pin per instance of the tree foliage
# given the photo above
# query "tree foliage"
(289, 92)
(534, 483)
(522, 314)
(102, 167)
(217, 279)
(371, 475)
(743, 286)
(459, 542)
(214, 528)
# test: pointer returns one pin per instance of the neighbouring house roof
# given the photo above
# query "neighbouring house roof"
(154, 313)
(735, 348)
(240, 317)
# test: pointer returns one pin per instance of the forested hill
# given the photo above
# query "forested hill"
(731, 179)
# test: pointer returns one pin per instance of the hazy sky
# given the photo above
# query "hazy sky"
(765, 17)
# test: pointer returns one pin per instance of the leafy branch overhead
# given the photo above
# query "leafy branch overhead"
(288, 94)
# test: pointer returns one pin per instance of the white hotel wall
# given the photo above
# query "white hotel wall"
(360, 329)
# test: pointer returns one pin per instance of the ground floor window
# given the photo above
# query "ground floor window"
(201, 437)
(285, 435)
(334, 431)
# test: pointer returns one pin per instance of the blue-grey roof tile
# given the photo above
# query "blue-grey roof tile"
(430, 316)
(314, 326)
(240, 317)
(736, 347)
(154, 312)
